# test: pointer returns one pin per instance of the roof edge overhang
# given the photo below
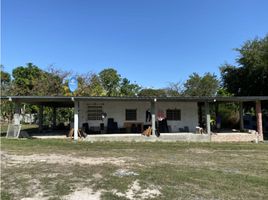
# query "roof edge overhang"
(64, 101)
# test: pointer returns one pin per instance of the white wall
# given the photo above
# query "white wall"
(189, 114)
(116, 110)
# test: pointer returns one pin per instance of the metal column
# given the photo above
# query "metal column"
(76, 122)
(153, 116)
(207, 118)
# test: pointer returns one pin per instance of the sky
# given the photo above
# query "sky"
(150, 42)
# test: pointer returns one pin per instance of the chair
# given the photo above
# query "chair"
(186, 129)
(85, 128)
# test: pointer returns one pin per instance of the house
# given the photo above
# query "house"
(135, 114)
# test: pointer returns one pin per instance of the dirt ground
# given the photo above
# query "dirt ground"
(60, 169)
(134, 190)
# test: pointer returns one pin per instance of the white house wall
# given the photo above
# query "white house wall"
(189, 114)
(116, 110)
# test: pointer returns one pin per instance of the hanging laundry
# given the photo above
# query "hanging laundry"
(148, 116)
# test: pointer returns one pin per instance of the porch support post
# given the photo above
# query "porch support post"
(40, 118)
(259, 120)
(54, 121)
(17, 114)
(153, 116)
(76, 110)
(207, 117)
(217, 108)
(241, 114)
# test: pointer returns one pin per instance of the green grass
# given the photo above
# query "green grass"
(178, 170)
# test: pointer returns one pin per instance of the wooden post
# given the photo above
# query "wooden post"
(153, 116)
(241, 114)
(40, 118)
(207, 117)
(76, 110)
(259, 120)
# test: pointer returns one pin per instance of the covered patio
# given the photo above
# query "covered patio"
(187, 117)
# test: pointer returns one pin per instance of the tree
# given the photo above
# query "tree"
(128, 89)
(201, 86)
(96, 88)
(110, 81)
(89, 84)
(174, 89)
(5, 81)
(52, 82)
(84, 83)
(31, 80)
(250, 77)
(48, 85)
(153, 93)
(6, 106)
(5, 76)
(25, 78)
(223, 92)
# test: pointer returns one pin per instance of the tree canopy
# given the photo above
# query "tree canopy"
(31, 80)
(250, 77)
(25, 79)
(152, 92)
(5, 81)
(197, 85)
(110, 80)
(128, 89)
(114, 85)
(89, 84)
(5, 77)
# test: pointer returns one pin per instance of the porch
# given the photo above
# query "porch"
(185, 117)
(164, 137)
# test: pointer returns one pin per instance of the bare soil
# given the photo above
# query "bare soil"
(59, 169)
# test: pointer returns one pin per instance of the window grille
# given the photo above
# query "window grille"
(174, 114)
(131, 114)
(94, 112)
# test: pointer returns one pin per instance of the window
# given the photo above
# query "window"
(173, 114)
(94, 112)
(131, 114)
